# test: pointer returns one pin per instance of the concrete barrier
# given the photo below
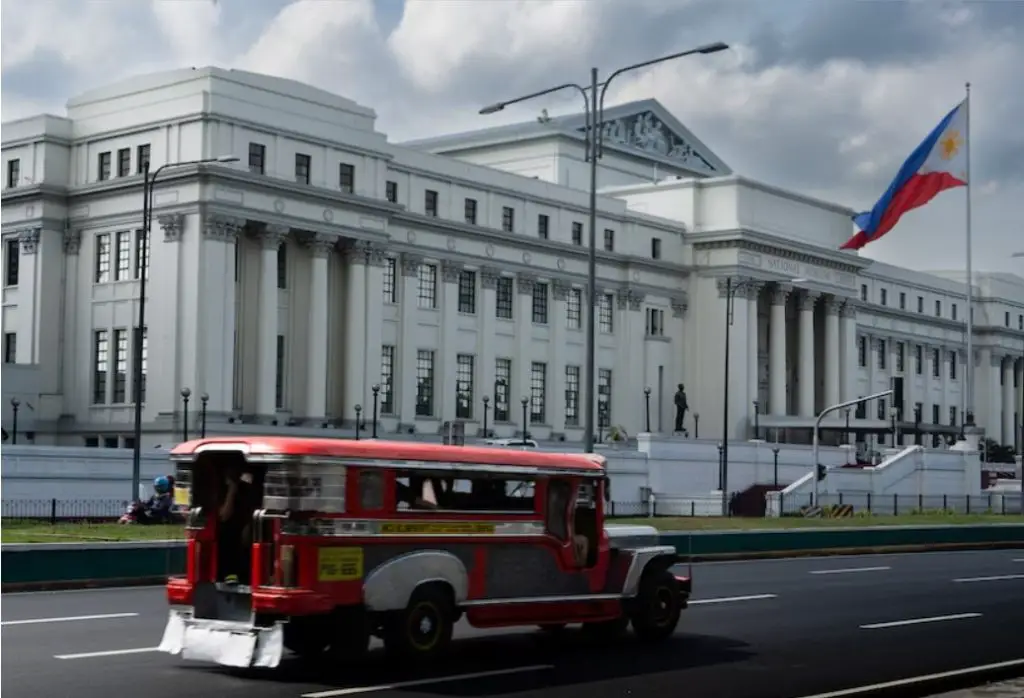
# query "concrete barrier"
(77, 565)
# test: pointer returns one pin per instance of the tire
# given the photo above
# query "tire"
(424, 629)
(657, 607)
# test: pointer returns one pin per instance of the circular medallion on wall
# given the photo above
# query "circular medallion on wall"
(489, 250)
(279, 205)
(328, 215)
(451, 244)
(636, 276)
(411, 237)
(560, 263)
(527, 257)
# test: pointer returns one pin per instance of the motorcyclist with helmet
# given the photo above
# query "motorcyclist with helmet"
(157, 509)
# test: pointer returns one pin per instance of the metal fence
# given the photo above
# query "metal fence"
(62, 510)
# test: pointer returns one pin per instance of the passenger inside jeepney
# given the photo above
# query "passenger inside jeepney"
(234, 544)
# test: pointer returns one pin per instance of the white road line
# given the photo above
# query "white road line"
(1019, 559)
(918, 621)
(860, 690)
(108, 653)
(731, 599)
(849, 570)
(68, 619)
(994, 578)
(425, 682)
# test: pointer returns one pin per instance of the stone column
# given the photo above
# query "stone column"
(271, 238)
(376, 262)
(27, 315)
(927, 400)
(556, 358)
(216, 370)
(447, 360)
(849, 342)
(946, 400)
(525, 284)
(354, 381)
(832, 356)
(72, 364)
(406, 379)
(319, 317)
(753, 347)
(806, 396)
(627, 397)
(486, 321)
(1006, 365)
(777, 354)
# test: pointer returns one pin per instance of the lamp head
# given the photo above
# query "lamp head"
(186, 393)
(492, 109)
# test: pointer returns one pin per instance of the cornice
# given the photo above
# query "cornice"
(908, 316)
(765, 243)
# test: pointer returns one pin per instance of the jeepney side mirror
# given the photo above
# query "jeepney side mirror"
(607, 489)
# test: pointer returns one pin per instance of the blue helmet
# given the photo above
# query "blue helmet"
(161, 484)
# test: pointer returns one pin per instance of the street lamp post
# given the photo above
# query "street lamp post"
(376, 398)
(647, 409)
(526, 431)
(359, 411)
(15, 404)
(775, 467)
(593, 110)
(203, 399)
(757, 419)
(487, 405)
(147, 223)
(696, 425)
(186, 393)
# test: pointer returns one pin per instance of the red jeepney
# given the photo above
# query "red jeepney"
(315, 545)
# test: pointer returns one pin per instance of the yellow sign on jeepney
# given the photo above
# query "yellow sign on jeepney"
(339, 564)
(398, 528)
(182, 496)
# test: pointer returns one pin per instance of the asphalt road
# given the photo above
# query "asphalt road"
(764, 629)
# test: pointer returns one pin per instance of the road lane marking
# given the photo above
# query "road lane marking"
(108, 653)
(426, 682)
(850, 570)
(731, 599)
(994, 578)
(68, 619)
(860, 690)
(918, 621)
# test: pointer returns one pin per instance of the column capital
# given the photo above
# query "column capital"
(72, 240)
(780, 294)
(173, 225)
(225, 228)
(832, 305)
(560, 289)
(28, 240)
(321, 245)
(848, 308)
(411, 264)
(272, 235)
(489, 277)
(376, 254)
(807, 299)
(629, 298)
(525, 284)
(679, 306)
(451, 270)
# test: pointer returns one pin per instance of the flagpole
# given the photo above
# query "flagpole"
(967, 396)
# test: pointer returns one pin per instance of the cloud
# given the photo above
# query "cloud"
(825, 98)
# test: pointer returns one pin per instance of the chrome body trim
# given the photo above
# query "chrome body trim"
(389, 586)
(641, 558)
(541, 600)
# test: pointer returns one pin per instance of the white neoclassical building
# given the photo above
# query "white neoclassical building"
(450, 274)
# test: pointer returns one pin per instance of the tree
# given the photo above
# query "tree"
(997, 453)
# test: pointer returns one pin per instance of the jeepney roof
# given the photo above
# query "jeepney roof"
(298, 447)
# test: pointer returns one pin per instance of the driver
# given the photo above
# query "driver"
(158, 507)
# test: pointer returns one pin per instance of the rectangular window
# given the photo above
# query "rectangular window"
(387, 379)
(538, 392)
(574, 309)
(935, 414)
(900, 356)
(952, 311)
(303, 164)
(500, 495)
(391, 191)
(10, 347)
(12, 262)
(864, 292)
(543, 223)
(881, 354)
(577, 233)
(952, 366)
(881, 413)
(142, 253)
(609, 240)
(464, 386)
(279, 375)
(918, 359)
(936, 363)
(120, 366)
(124, 162)
(101, 365)
(124, 255)
(390, 288)
(952, 415)
(469, 207)
(13, 173)
(938, 308)
(426, 286)
(503, 296)
(430, 203)
(141, 158)
(347, 178)
(572, 396)
(862, 351)
(257, 158)
(102, 275)
(655, 248)
(145, 364)
(502, 383)
(540, 304)
(1006, 319)
(883, 296)
(103, 166)
(424, 383)
(655, 322)
(508, 219)
(605, 315)
(282, 265)
(920, 304)
(903, 300)
(861, 411)
(604, 396)
(467, 292)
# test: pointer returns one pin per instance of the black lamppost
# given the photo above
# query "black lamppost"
(204, 398)
(526, 432)
(376, 399)
(647, 408)
(696, 425)
(487, 406)
(15, 404)
(185, 395)
(593, 104)
(775, 453)
(847, 413)
(359, 411)
(721, 460)
(143, 252)
(602, 416)
(757, 419)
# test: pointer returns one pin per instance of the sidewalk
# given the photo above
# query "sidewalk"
(1002, 689)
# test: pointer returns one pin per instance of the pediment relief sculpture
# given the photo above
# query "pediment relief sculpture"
(646, 132)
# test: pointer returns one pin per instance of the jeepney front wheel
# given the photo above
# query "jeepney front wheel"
(424, 629)
(657, 607)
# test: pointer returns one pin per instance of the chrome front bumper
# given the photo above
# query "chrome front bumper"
(222, 642)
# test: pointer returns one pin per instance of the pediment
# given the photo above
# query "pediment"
(648, 129)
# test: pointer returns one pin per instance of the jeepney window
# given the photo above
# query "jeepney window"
(464, 493)
(556, 521)
(371, 490)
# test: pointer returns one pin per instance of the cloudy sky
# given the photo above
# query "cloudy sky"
(826, 97)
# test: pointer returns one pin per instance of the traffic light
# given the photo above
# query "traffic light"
(822, 471)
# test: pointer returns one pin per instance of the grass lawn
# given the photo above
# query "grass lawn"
(33, 532)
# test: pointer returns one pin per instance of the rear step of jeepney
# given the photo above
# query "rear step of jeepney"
(220, 601)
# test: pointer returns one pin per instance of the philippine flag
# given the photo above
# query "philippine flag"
(938, 164)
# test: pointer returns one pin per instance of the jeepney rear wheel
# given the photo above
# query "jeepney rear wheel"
(424, 629)
(657, 606)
